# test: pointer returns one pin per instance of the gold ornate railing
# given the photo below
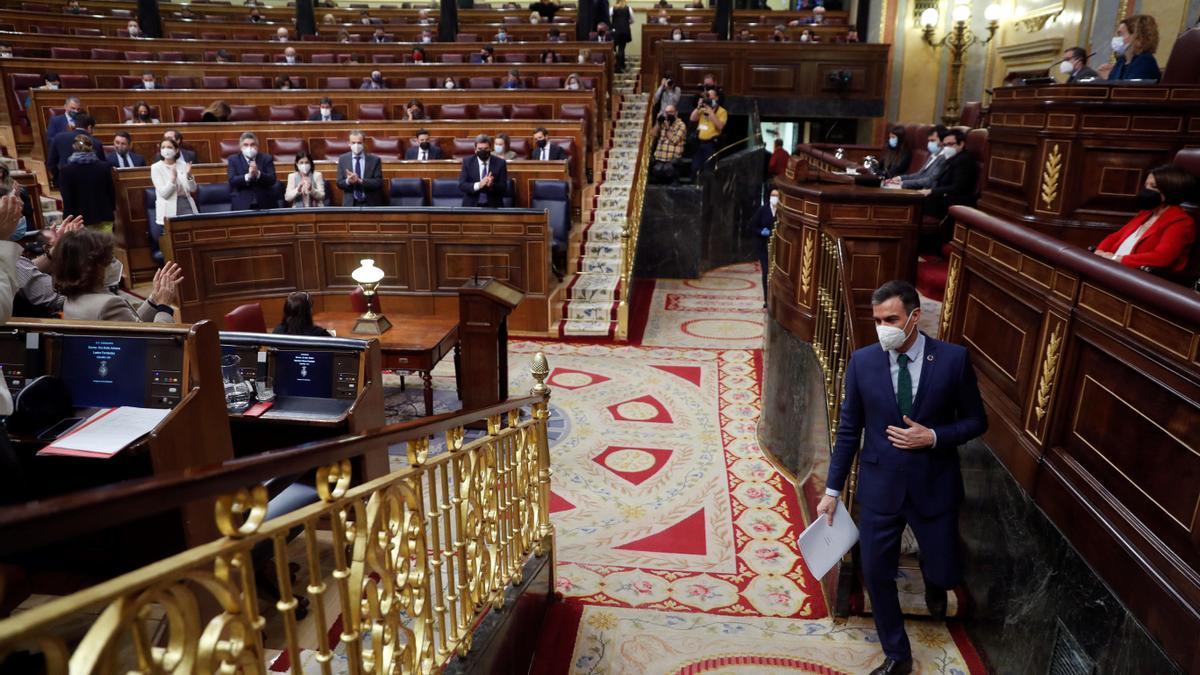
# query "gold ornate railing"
(410, 561)
(633, 222)
(833, 335)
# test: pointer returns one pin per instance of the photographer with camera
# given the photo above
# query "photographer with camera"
(670, 133)
(667, 94)
(710, 120)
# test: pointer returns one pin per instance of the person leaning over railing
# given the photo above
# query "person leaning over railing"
(1162, 233)
(12, 485)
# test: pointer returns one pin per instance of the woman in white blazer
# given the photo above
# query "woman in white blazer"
(306, 185)
(174, 186)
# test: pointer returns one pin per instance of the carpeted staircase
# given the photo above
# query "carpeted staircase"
(594, 291)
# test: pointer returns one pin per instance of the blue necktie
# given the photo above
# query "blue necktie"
(358, 193)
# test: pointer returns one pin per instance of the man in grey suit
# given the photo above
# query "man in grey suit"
(931, 170)
(360, 176)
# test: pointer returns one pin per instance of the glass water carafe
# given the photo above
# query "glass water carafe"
(238, 392)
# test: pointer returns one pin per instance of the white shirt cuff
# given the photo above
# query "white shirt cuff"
(249, 177)
(833, 493)
(934, 444)
(477, 184)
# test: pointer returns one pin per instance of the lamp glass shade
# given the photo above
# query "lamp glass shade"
(367, 273)
(960, 13)
(929, 18)
(993, 12)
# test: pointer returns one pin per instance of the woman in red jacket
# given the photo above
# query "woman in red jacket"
(1161, 234)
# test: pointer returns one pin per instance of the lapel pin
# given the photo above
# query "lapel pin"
(929, 358)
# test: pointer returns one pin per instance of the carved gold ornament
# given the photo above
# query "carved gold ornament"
(806, 263)
(1051, 175)
(948, 299)
(1049, 369)
(1032, 23)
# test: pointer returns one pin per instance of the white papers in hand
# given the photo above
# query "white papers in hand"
(108, 431)
(823, 545)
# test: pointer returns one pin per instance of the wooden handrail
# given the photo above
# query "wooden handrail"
(42, 522)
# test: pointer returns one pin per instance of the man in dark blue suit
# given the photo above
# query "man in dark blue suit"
(912, 403)
(251, 177)
(62, 144)
(543, 149)
(66, 121)
(483, 179)
(123, 156)
(760, 227)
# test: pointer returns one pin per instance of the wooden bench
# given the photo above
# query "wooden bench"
(132, 229)
(277, 13)
(320, 79)
(83, 24)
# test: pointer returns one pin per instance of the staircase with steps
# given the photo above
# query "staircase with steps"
(594, 291)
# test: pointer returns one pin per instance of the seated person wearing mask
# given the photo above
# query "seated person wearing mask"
(897, 156)
(325, 112)
(957, 182)
(1134, 46)
(934, 164)
(36, 296)
(543, 149)
(1162, 233)
(424, 150)
(1074, 66)
(83, 272)
(502, 148)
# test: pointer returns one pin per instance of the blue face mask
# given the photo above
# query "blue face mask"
(933, 147)
(893, 142)
(19, 233)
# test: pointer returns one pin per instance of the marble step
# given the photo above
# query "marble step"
(588, 328)
(600, 266)
(602, 249)
(594, 287)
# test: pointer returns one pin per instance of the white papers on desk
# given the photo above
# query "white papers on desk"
(823, 545)
(107, 432)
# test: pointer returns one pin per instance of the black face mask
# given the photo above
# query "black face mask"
(1148, 199)
(424, 145)
(483, 155)
(541, 143)
(670, 119)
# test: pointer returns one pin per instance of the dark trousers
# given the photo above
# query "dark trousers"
(620, 49)
(765, 262)
(879, 538)
(704, 150)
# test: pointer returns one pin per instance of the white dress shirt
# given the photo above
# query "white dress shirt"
(483, 172)
(916, 358)
(1132, 240)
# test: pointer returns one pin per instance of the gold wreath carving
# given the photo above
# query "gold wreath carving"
(1051, 175)
(1049, 369)
(806, 264)
(948, 300)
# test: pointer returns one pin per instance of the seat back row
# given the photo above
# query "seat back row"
(399, 54)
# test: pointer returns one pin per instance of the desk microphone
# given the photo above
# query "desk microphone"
(492, 267)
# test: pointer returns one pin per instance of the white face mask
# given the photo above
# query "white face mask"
(573, 86)
(52, 85)
(1066, 67)
(249, 153)
(449, 84)
(5, 55)
(167, 153)
(1118, 44)
(356, 148)
(774, 201)
(499, 148)
(148, 85)
(677, 36)
(426, 38)
(932, 146)
(304, 168)
(804, 37)
(890, 337)
(949, 152)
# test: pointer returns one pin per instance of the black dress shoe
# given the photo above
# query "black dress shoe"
(894, 667)
(935, 600)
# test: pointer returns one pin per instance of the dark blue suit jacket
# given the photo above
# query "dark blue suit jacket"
(138, 160)
(62, 146)
(469, 175)
(258, 194)
(947, 400)
(56, 125)
(762, 218)
(1141, 67)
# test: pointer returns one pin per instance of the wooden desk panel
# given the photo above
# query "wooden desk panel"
(132, 229)
(105, 75)
(768, 69)
(1090, 372)
(427, 254)
(657, 40)
(1069, 160)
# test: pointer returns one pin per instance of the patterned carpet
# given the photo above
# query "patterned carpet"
(676, 538)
